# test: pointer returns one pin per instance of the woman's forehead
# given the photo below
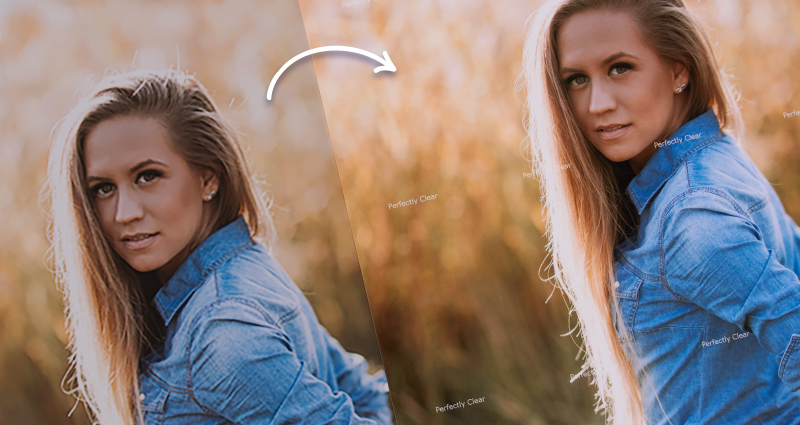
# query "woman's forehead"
(121, 143)
(594, 36)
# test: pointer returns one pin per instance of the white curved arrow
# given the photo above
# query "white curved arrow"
(386, 63)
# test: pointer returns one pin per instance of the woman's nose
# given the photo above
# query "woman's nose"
(602, 98)
(128, 206)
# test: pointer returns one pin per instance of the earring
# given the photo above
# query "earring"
(680, 88)
(210, 195)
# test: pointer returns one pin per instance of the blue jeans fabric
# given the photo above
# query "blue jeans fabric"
(707, 289)
(244, 346)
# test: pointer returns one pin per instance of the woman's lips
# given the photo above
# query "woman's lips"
(613, 133)
(139, 241)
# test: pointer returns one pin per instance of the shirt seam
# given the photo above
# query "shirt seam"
(192, 325)
(755, 207)
(758, 206)
(161, 382)
(787, 354)
(206, 272)
(299, 376)
(677, 199)
(637, 271)
(635, 198)
(760, 276)
(213, 266)
(679, 163)
(713, 139)
(280, 320)
(688, 177)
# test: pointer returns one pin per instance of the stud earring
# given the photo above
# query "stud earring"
(680, 88)
(210, 195)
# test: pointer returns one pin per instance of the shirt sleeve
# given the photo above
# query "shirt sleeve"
(369, 392)
(714, 256)
(243, 368)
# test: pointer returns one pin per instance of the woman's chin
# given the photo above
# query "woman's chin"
(617, 156)
(144, 265)
(622, 153)
(614, 152)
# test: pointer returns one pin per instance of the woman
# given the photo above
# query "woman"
(175, 314)
(673, 248)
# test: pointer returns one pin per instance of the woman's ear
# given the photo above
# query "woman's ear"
(680, 75)
(210, 184)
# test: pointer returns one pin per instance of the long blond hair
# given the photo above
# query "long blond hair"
(106, 309)
(584, 205)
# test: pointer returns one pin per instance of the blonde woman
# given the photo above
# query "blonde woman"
(674, 250)
(175, 314)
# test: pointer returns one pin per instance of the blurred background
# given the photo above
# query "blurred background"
(50, 54)
(456, 284)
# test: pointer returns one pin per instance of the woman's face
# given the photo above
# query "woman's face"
(621, 92)
(149, 200)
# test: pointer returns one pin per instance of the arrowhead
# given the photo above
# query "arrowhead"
(388, 65)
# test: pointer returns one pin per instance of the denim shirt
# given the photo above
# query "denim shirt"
(707, 289)
(243, 346)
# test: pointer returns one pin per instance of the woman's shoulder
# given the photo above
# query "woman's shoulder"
(253, 264)
(720, 177)
(251, 279)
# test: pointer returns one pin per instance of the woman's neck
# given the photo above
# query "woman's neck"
(679, 119)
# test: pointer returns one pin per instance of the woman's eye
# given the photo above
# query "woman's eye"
(619, 68)
(148, 176)
(577, 80)
(103, 189)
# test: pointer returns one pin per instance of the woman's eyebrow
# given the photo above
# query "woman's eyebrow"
(618, 55)
(611, 58)
(133, 169)
(145, 163)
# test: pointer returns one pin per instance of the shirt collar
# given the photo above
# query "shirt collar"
(194, 270)
(670, 154)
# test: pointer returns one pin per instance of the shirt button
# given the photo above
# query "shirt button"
(616, 284)
(141, 397)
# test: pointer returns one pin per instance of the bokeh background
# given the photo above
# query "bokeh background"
(52, 51)
(456, 286)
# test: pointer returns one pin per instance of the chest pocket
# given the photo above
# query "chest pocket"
(625, 293)
(153, 399)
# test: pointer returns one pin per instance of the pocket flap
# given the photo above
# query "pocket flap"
(627, 282)
(626, 296)
(152, 397)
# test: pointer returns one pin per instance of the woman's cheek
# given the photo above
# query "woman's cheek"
(105, 215)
